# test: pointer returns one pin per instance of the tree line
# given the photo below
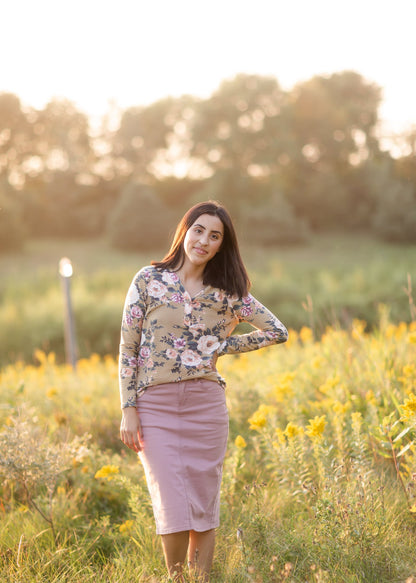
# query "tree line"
(285, 163)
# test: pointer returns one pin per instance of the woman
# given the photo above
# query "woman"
(178, 319)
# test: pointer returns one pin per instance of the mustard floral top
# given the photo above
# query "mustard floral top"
(168, 336)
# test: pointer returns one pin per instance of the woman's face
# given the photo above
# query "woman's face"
(203, 239)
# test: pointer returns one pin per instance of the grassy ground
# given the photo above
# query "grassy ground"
(318, 482)
(319, 476)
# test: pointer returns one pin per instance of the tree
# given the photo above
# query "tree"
(152, 140)
(62, 138)
(16, 138)
(333, 120)
(239, 128)
(39, 142)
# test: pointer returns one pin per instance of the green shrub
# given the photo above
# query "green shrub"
(140, 220)
(395, 217)
(12, 232)
(274, 224)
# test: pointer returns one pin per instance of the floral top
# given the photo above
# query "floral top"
(168, 336)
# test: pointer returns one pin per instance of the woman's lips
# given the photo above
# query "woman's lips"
(200, 251)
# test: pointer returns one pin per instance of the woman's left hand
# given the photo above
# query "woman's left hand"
(131, 430)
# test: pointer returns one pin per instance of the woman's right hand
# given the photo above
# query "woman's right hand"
(131, 429)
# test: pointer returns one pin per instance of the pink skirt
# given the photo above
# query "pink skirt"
(185, 430)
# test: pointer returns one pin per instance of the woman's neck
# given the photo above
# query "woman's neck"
(191, 273)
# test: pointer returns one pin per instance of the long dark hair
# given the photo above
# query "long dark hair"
(226, 269)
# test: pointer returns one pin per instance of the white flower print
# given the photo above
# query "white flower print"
(188, 309)
(169, 277)
(190, 358)
(219, 296)
(156, 289)
(170, 353)
(133, 295)
(208, 344)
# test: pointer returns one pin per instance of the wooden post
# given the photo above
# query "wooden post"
(65, 270)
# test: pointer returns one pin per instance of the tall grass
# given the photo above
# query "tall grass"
(319, 478)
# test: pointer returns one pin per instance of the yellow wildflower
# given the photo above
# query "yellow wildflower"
(412, 338)
(370, 397)
(286, 377)
(409, 407)
(329, 384)
(280, 436)
(358, 327)
(401, 330)
(95, 358)
(341, 408)
(259, 417)
(126, 527)
(292, 430)
(356, 420)
(109, 360)
(257, 420)
(293, 337)
(51, 393)
(240, 442)
(107, 472)
(306, 334)
(282, 392)
(40, 356)
(408, 370)
(316, 427)
(317, 362)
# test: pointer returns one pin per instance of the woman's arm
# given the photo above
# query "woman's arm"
(270, 329)
(131, 330)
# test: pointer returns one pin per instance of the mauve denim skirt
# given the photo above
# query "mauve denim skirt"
(185, 430)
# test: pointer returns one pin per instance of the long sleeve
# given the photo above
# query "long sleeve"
(269, 328)
(131, 331)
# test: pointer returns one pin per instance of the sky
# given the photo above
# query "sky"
(133, 52)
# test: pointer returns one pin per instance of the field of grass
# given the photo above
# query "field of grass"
(331, 280)
(319, 479)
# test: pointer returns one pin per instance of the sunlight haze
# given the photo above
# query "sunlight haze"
(132, 52)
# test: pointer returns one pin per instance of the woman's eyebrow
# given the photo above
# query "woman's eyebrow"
(202, 227)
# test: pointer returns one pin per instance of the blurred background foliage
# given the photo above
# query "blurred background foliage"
(285, 163)
(320, 197)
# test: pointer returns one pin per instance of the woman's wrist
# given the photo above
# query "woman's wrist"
(127, 410)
